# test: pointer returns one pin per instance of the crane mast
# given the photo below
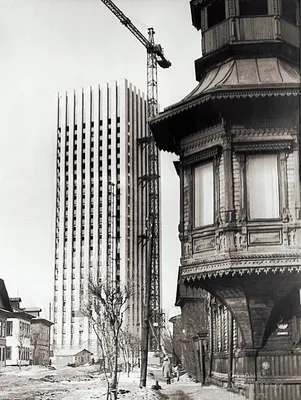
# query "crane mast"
(155, 57)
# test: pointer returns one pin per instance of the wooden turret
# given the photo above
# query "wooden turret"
(238, 140)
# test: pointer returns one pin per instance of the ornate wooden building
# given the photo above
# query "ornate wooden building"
(237, 137)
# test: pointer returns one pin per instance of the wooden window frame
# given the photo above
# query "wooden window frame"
(280, 190)
(208, 162)
(209, 155)
(282, 150)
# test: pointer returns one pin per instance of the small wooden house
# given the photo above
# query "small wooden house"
(77, 357)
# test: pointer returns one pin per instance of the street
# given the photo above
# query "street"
(86, 383)
(185, 389)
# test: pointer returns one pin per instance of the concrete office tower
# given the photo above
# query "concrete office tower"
(101, 204)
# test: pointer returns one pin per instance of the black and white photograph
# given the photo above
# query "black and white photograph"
(150, 200)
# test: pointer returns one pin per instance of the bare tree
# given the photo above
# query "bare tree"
(106, 309)
(34, 341)
(173, 344)
(130, 346)
(22, 338)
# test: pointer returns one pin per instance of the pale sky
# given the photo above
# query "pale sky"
(50, 46)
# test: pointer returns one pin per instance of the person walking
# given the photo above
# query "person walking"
(167, 370)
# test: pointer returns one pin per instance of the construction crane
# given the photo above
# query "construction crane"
(155, 57)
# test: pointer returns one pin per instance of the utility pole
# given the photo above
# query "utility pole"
(146, 311)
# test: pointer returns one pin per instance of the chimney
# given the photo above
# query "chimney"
(15, 302)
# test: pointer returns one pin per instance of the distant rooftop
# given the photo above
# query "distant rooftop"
(4, 299)
(35, 311)
(71, 352)
(43, 321)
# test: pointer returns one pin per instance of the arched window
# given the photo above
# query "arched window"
(253, 7)
(289, 10)
(216, 13)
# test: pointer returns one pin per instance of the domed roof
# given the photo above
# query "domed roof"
(235, 79)
(242, 78)
(244, 73)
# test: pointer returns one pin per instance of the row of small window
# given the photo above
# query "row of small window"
(92, 147)
(6, 353)
(92, 187)
(73, 287)
(216, 11)
(92, 159)
(64, 298)
(92, 124)
(83, 152)
(81, 251)
(75, 147)
(24, 354)
(262, 184)
(75, 206)
(83, 237)
(74, 196)
(92, 170)
(83, 191)
(24, 328)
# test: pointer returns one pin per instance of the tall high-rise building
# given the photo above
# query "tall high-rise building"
(101, 204)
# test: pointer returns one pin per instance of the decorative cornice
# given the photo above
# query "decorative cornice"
(263, 146)
(259, 132)
(178, 108)
(231, 94)
(204, 132)
(203, 155)
(214, 134)
(202, 138)
(240, 264)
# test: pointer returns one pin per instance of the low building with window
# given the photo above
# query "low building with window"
(18, 335)
(73, 357)
(5, 312)
(237, 135)
(40, 337)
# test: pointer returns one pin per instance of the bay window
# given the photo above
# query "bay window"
(263, 186)
(203, 195)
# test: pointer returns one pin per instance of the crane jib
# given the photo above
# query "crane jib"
(150, 46)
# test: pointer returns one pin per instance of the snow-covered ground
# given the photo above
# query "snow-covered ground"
(86, 383)
(81, 383)
(186, 389)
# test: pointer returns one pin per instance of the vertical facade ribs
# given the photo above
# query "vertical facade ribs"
(99, 205)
